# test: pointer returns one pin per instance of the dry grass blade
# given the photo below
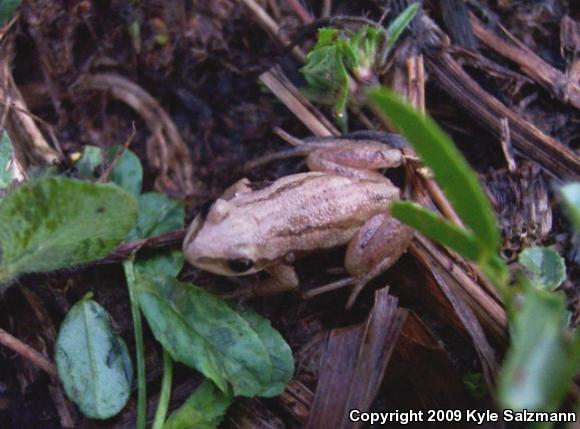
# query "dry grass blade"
(484, 350)
(354, 364)
(270, 25)
(289, 95)
(489, 312)
(30, 146)
(297, 400)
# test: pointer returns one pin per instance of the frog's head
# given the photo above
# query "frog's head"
(222, 243)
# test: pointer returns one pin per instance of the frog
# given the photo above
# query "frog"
(343, 200)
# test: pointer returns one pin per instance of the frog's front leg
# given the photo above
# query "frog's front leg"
(374, 249)
(282, 278)
(357, 159)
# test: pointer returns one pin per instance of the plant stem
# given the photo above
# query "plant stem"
(165, 394)
(140, 348)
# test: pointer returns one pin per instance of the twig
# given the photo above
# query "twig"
(272, 27)
(506, 145)
(107, 173)
(27, 352)
(300, 11)
(564, 89)
(532, 143)
(289, 95)
(326, 8)
(159, 241)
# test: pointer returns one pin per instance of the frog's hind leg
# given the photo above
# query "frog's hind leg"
(374, 249)
(359, 159)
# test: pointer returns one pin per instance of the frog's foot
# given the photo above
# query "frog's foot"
(357, 284)
(282, 279)
(339, 284)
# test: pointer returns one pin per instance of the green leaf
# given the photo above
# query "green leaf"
(204, 409)
(279, 351)
(543, 357)
(92, 158)
(128, 172)
(5, 158)
(203, 332)
(400, 23)
(8, 9)
(325, 70)
(571, 199)
(433, 226)
(93, 364)
(451, 170)
(158, 214)
(58, 222)
(544, 267)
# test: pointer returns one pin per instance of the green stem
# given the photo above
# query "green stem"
(165, 394)
(140, 348)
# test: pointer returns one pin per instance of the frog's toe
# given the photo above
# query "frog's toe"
(339, 284)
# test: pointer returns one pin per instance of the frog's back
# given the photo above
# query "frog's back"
(310, 211)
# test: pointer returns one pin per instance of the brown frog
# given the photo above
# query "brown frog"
(345, 200)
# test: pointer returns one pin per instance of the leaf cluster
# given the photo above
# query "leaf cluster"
(55, 222)
(343, 59)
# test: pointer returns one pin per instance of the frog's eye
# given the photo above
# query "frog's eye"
(240, 265)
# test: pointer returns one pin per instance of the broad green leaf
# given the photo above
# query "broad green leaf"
(5, 157)
(8, 9)
(54, 223)
(433, 226)
(400, 23)
(203, 332)
(158, 214)
(204, 409)
(543, 357)
(451, 170)
(92, 158)
(128, 172)
(93, 363)
(279, 351)
(544, 267)
(571, 199)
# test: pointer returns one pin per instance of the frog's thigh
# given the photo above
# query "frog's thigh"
(282, 278)
(354, 159)
(377, 246)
